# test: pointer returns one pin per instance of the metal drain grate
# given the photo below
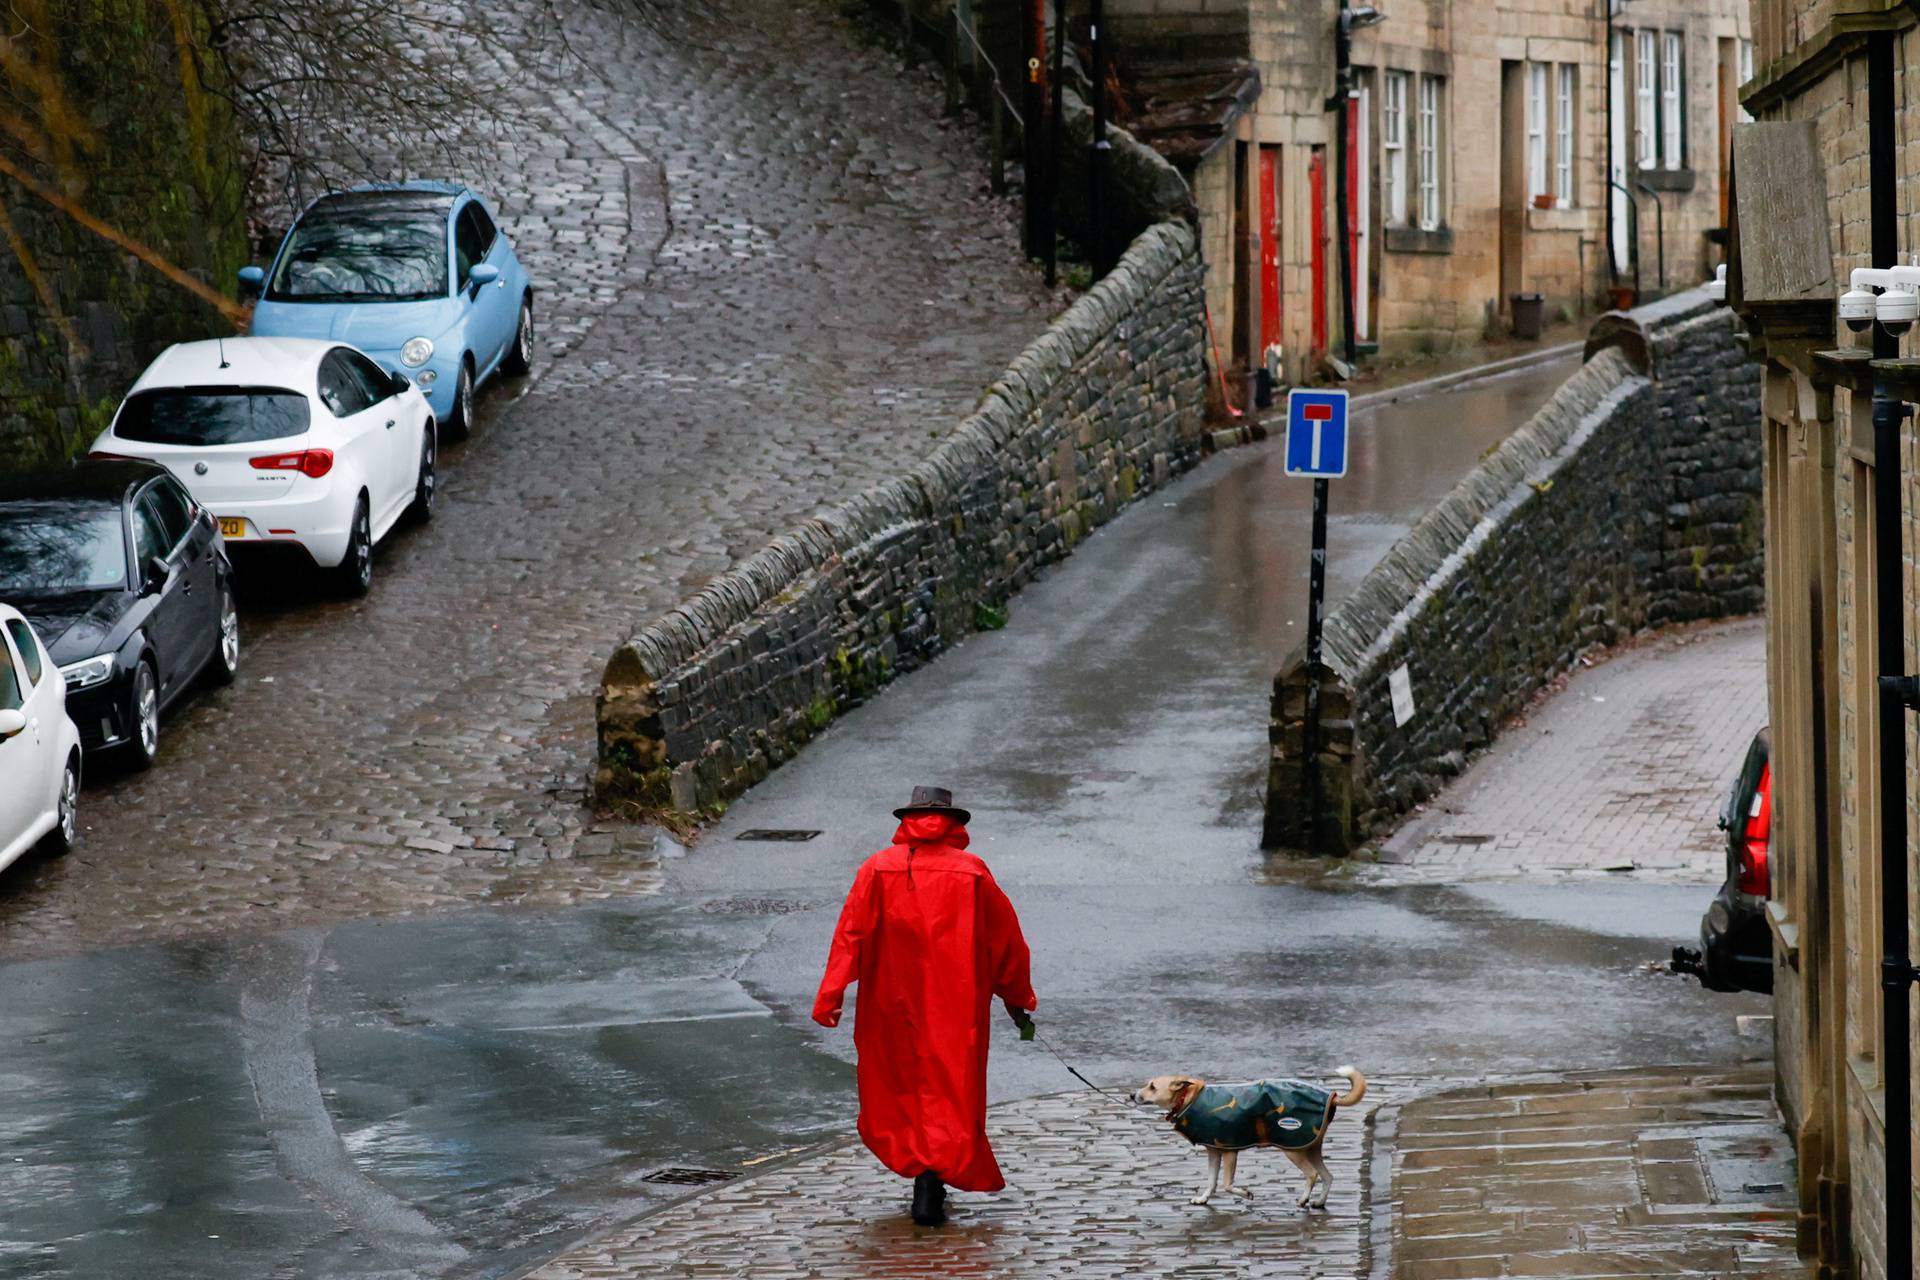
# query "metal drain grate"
(783, 835)
(682, 1176)
(756, 906)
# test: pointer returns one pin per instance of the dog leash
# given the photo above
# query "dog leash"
(1041, 1040)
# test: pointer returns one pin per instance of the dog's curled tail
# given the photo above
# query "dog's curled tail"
(1353, 1095)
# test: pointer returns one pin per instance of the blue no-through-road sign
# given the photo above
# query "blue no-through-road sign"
(1316, 433)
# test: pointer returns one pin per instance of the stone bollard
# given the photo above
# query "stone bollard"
(1290, 782)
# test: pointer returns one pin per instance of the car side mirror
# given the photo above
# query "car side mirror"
(483, 274)
(155, 579)
(399, 382)
(11, 722)
(252, 280)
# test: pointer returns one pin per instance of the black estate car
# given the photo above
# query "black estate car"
(126, 579)
(1736, 947)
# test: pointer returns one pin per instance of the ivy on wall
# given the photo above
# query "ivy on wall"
(122, 209)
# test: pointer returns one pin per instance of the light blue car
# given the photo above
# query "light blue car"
(415, 274)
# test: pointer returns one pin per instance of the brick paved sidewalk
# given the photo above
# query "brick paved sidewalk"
(1622, 771)
(1092, 1190)
(1636, 1173)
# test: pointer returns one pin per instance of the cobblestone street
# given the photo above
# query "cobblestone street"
(1076, 1204)
(1615, 1173)
(1621, 772)
(767, 272)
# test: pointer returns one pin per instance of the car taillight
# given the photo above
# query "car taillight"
(308, 462)
(100, 455)
(1753, 876)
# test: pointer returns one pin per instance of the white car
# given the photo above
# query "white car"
(290, 442)
(39, 747)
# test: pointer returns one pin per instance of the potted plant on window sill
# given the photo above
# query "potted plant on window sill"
(1546, 201)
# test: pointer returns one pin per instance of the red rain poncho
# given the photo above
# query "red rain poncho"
(931, 940)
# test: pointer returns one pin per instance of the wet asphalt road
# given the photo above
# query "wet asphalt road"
(458, 1094)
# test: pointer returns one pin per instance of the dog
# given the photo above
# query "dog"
(1227, 1119)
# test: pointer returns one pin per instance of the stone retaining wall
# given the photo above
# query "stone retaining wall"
(1103, 407)
(1632, 498)
(145, 148)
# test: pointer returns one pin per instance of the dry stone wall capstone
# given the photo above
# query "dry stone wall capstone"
(1105, 406)
(1631, 499)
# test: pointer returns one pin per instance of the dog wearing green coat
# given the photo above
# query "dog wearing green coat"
(1227, 1119)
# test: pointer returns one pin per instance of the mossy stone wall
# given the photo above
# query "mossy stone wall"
(134, 138)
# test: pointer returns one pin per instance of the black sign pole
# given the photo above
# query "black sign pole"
(1316, 597)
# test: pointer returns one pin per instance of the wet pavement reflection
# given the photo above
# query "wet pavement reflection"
(462, 1094)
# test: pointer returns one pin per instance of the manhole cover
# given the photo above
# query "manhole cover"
(681, 1176)
(783, 835)
(755, 906)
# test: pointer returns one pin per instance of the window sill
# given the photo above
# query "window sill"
(1866, 1084)
(1558, 218)
(1665, 179)
(1419, 240)
(1786, 935)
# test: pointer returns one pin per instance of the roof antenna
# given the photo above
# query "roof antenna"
(223, 352)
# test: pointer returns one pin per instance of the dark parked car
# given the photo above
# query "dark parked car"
(1736, 947)
(127, 581)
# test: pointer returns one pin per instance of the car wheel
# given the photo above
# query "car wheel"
(427, 485)
(226, 657)
(143, 714)
(66, 831)
(519, 361)
(356, 570)
(460, 420)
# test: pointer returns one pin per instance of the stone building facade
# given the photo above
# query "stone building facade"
(1485, 142)
(1796, 238)
(1674, 68)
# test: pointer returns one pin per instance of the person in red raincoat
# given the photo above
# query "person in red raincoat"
(931, 940)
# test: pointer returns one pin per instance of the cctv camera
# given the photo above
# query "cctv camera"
(1857, 309)
(1899, 306)
(1859, 303)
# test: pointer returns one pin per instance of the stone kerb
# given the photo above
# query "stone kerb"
(1105, 405)
(1627, 500)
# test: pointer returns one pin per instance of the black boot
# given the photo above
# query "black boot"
(929, 1200)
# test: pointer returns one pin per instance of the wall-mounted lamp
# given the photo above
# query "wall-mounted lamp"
(1364, 15)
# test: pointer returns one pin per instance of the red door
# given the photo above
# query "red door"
(1269, 246)
(1317, 194)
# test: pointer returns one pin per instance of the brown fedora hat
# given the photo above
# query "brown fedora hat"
(932, 800)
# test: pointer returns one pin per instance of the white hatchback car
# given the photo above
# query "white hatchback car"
(288, 441)
(39, 747)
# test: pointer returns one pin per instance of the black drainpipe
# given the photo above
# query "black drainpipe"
(1342, 85)
(1890, 638)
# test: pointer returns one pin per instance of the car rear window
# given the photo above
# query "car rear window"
(363, 256)
(212, 415)
(49, 549)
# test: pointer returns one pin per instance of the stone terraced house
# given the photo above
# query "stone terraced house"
(1805, 179)
(1567, 148)
(1574, 149)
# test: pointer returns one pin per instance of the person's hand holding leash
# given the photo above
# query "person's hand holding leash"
(1021, 1019)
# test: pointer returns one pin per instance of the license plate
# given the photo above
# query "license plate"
(232, 527)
